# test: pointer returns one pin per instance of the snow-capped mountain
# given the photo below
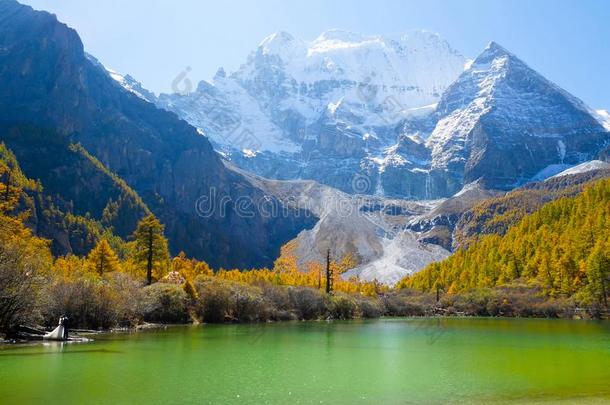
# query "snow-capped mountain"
(332, 109)
(131, 84)
(340, 72)
(503, 122)
(400, 117)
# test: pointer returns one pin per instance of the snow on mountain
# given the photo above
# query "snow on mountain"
(399, 112)
(416, 67)
(328, 109)
(132, 85)
(603, 117)
(504, 122)
(550, 171)
(583, 168)
(126, 81)
(283, 45)
(229, 116)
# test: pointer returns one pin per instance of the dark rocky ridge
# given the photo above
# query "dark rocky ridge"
(48, 82)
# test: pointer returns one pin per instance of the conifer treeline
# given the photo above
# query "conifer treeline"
(564, 248)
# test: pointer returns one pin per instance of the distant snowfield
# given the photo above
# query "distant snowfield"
(583, 168)
(604, 118)
(550, 171)
(560, 170)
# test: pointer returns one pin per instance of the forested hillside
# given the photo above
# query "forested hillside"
(72, 200)
(564, 248)
(497, 215)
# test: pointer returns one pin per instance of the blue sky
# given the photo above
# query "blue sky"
(568, 41)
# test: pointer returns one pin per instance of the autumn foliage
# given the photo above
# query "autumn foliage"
(563, 248)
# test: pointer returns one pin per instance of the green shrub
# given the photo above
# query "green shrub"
(164, 303)
(126, 294)
(408, 303)
(342, 307)
(277, 296)
(214, 299)
(476, 302)
(278, 299)
(555, 308)
(308, 303)
(369, 307)
(249, 305)
(88, 304)
(227, 301)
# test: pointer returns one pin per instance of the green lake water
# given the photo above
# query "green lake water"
(388, 361)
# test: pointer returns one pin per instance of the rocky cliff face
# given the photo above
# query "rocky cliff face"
(49, 82)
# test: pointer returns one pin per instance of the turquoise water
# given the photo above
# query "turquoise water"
(389, 361)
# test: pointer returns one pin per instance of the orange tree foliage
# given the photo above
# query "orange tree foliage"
(24, 263)
(286, 271)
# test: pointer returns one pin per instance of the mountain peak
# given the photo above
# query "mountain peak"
(279, 37)
(513, 108)
(283, 45)
(421, 36)
(220, 73)
(495, 47)
(340, 35)
(493, 51)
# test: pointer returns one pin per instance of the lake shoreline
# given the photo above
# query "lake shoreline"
(216, 301)
(155, 327)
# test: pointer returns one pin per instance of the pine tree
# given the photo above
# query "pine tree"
(102, 259)
(329, 274)
(202, 268)
(151, 247)
(9, 190)
(598, 273)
